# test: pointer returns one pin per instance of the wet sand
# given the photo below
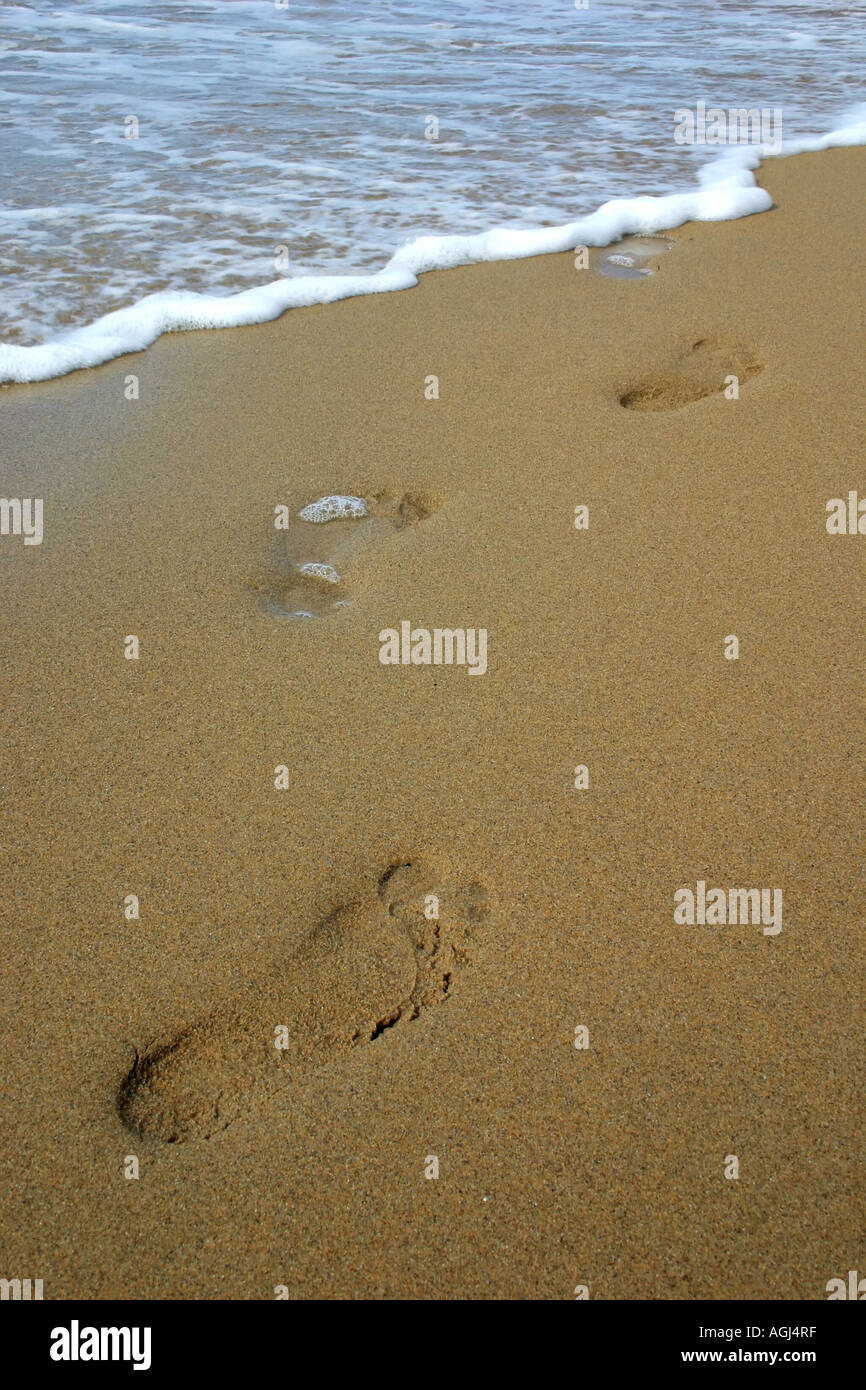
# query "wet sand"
(411, 1036)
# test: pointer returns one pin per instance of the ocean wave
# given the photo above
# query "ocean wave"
(726, 190)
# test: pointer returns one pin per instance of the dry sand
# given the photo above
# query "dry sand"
(558, 1167)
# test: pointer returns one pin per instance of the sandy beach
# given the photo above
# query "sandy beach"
(426, 908)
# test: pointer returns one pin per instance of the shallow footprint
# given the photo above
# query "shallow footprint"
(305, 578)
(700, 371)
(299, 588)
(631, 258)
(364, 970)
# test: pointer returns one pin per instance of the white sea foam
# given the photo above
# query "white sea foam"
(317, 570)
(269, 133)
(726, 190)
(334, 508)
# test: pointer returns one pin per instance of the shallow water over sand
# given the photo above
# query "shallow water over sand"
(218, 146)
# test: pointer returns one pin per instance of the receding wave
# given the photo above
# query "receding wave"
(726, 189)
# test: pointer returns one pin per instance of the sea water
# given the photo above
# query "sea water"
(213, 162)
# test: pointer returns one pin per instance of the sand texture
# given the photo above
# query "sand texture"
(427, 907)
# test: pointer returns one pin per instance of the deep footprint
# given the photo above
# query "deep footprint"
(365, 970)
(306, 577)
(700, 371)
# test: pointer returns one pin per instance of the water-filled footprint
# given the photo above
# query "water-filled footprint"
(366, 969)
(704, 369)
(306, 576)
(631, 258)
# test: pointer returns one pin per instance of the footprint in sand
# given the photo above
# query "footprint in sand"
(632, 258)
(699, 371)
(306, 576)
(365, 970)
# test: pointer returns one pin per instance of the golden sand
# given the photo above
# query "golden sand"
(311, 908)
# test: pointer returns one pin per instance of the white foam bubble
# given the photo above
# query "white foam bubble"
(334, 508)
(320, 571)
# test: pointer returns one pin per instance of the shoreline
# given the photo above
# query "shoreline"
(726, 190)
(558, 1166)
